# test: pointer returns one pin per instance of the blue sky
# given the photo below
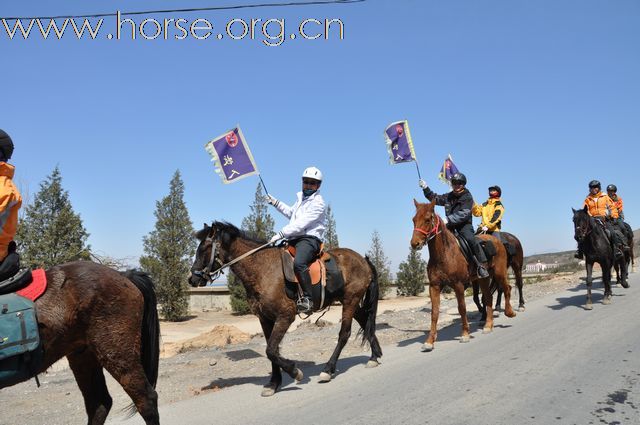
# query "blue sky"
(537, 97)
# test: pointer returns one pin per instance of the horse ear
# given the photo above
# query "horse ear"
(585, 209)
(416, 203)
(572, 209)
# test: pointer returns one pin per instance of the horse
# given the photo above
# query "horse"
(597, 249)
(448, 266)
(628, 254)
(515, 262)
(100, 318)
(263, 278)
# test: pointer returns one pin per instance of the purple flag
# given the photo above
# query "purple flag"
(448, 170)
(399, 143)
(231, 155)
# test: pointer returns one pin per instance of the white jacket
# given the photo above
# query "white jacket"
(307, 217)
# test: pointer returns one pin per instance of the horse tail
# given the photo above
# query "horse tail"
(150, 324)
(370, 306)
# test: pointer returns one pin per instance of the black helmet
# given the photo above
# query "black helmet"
(459, 177)
(6, 146)
(612, 188)
(594, 183)
(497, 189)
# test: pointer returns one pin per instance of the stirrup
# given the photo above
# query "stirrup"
(482, 272)
(304, 305)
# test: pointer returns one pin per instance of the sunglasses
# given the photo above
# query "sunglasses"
(309, 182)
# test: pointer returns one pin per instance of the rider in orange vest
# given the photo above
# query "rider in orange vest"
(600, 206)
(617, 200)
(10, 203)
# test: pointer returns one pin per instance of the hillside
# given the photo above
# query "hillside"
(566, 257)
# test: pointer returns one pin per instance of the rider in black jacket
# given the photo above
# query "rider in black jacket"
(457, 207)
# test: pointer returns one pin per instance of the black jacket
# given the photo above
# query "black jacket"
(457, 206)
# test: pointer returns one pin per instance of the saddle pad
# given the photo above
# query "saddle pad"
(37, 286)
(316, 269)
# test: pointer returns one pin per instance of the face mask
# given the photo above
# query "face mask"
(308, 192)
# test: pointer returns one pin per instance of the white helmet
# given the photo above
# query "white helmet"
(312, 173)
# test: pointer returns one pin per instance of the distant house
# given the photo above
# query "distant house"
(540, 267)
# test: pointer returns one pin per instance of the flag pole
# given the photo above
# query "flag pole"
(265, 187)
(417, 168)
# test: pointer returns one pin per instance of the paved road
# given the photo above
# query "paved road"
(554, 364)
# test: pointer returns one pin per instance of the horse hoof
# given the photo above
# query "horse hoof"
(606, 301)
(588, 307)
(299, 375)
(426, 347)
(465, 338)
(487, 330)
(521, 308)
(372, 363)
(625, 284)
(324, 377)
(510, 314)
(268, 391)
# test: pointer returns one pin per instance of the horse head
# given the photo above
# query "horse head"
(426, 225)
(582, 225)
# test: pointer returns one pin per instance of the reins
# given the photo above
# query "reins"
(435, 230)
(213, 275)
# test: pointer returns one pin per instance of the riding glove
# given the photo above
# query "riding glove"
(423, 184)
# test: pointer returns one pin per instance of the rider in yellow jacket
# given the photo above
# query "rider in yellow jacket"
(600, 206)
(491, 212)
(10, 199)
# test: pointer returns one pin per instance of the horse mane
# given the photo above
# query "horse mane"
(228, 233)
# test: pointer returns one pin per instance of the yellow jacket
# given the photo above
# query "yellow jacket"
(600, 205)
(10, 203)
(491, 213)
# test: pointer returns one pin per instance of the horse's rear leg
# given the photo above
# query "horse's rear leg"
(462, 309)
(487, 299)
(343, 337)
(90, 379)
(376, 352)
(123, 361)
(434, 296)
(517, 272)
(503, 283)
(476, 301)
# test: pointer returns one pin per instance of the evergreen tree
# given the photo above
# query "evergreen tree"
(168, 251)
(50, 232)
(258, 225)
(331, 235)
(379, 259)
(412, 275)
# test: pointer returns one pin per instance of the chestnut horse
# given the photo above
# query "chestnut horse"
(515, 262)
(263, 278)
(448, 266)
(100, 318)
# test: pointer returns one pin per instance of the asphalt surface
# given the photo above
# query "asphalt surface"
(556, 363)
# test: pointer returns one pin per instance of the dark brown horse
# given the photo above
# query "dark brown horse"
(448, 266)
(262, 275)
(628, 255)
(100, 318)
(515, 262)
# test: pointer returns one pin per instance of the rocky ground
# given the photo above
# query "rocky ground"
(226, 356)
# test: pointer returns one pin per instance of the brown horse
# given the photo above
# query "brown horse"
(100, 318)
(515, 262)
(448, 266)
(262, 276)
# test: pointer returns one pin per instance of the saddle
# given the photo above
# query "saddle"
(326, 277)
(487, 246)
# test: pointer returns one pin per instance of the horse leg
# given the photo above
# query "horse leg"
(90, 379)
(503, 282)
(434, 296)
(589, 266)
(376, 351)
(624, 271)
(476, 300)
(606, 279)
(280, 328)
(517, 272)
(276, 374)
(498, 299)
(343, 337)
(487, 298)
(462, 309)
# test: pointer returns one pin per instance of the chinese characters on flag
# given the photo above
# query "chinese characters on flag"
(231, 156)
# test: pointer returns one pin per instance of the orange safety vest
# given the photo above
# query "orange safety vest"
(10, 203)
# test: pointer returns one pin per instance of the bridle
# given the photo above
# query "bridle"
(588, 229)
(206, 272)
(435, 229)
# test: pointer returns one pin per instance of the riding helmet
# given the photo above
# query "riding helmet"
(459, 178)
(312, 173)
(594, 183)
(497, 189)
(6, 146)
(612, 188)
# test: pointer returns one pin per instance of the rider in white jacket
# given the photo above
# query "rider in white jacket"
(305, 230)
